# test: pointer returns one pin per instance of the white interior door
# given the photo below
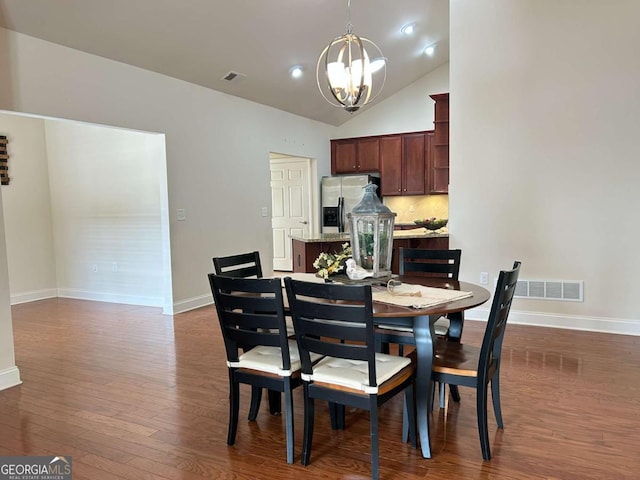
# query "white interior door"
(290, 206)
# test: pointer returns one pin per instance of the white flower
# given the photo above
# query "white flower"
(330, 263)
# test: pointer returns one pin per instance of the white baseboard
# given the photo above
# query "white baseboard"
(167, 308)
(572, 322)
(34, 295)
(9, 377)
(192, 303)
(111, 297)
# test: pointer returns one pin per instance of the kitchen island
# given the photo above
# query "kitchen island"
(306, 249)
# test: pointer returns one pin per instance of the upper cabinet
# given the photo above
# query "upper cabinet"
(415, 163)
(402, 164)
(438, 174)
(355, 155)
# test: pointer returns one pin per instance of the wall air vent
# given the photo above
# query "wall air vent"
(234, 77)
(565, 290)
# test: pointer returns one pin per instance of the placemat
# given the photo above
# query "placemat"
(428, 296)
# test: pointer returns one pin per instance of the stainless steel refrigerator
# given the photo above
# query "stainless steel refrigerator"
(338, 195)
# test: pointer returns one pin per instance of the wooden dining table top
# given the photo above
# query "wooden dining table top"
(479, 294)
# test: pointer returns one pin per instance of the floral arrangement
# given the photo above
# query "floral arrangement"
(332, 263)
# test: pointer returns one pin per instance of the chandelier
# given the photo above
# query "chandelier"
(350, 69)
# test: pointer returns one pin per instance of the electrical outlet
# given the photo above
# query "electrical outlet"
(94, 267)
(484, 278)
(264, 211)
(181, 214)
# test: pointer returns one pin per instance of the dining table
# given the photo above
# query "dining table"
(418, 315)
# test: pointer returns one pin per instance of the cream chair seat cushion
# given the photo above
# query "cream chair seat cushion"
(355, 373)
(269, 359)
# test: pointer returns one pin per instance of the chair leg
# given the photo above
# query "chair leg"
(336, 414)
(234, 408)
(256, 396)
(495, 398)
(373, 433)
(483, 427)
(288, 412)
(442, 389)
(340, 414)
(455, 394)
(455, 333)
(275, 402)
(308, 426)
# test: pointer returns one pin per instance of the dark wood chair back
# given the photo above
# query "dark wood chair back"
(427, 262)
(237, 301)
(491, 348)
(243, 265)
(333, 320)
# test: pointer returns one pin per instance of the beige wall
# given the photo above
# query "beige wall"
(9, 373)
(107, 195)
(84, 195)
(544, 151)
(27, 211)
(217, 146)
(410, 110)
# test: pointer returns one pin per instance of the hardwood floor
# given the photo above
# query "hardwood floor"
(132, 394)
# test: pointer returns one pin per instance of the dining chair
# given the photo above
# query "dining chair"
(243, 265)
(428, 263)
(247, 265)
(336, 321)
(259, 350)
(477, 367)
(433, 263)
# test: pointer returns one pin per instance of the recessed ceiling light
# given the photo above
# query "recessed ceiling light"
(429, 50)
(408, 29)
(296, 71)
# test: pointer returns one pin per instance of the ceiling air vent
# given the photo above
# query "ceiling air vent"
(565, 290)
(234, 77)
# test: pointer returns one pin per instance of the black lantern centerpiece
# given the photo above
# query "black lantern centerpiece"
(371, 234)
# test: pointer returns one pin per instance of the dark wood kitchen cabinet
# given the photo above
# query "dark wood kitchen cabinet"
(306, 252)
(438, 174)
(355, 155)
(403, 165)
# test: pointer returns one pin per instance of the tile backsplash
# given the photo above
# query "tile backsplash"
(413, 207)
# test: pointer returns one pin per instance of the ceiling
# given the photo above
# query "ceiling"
(200, 41)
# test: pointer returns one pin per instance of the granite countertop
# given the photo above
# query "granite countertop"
(344, 237)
